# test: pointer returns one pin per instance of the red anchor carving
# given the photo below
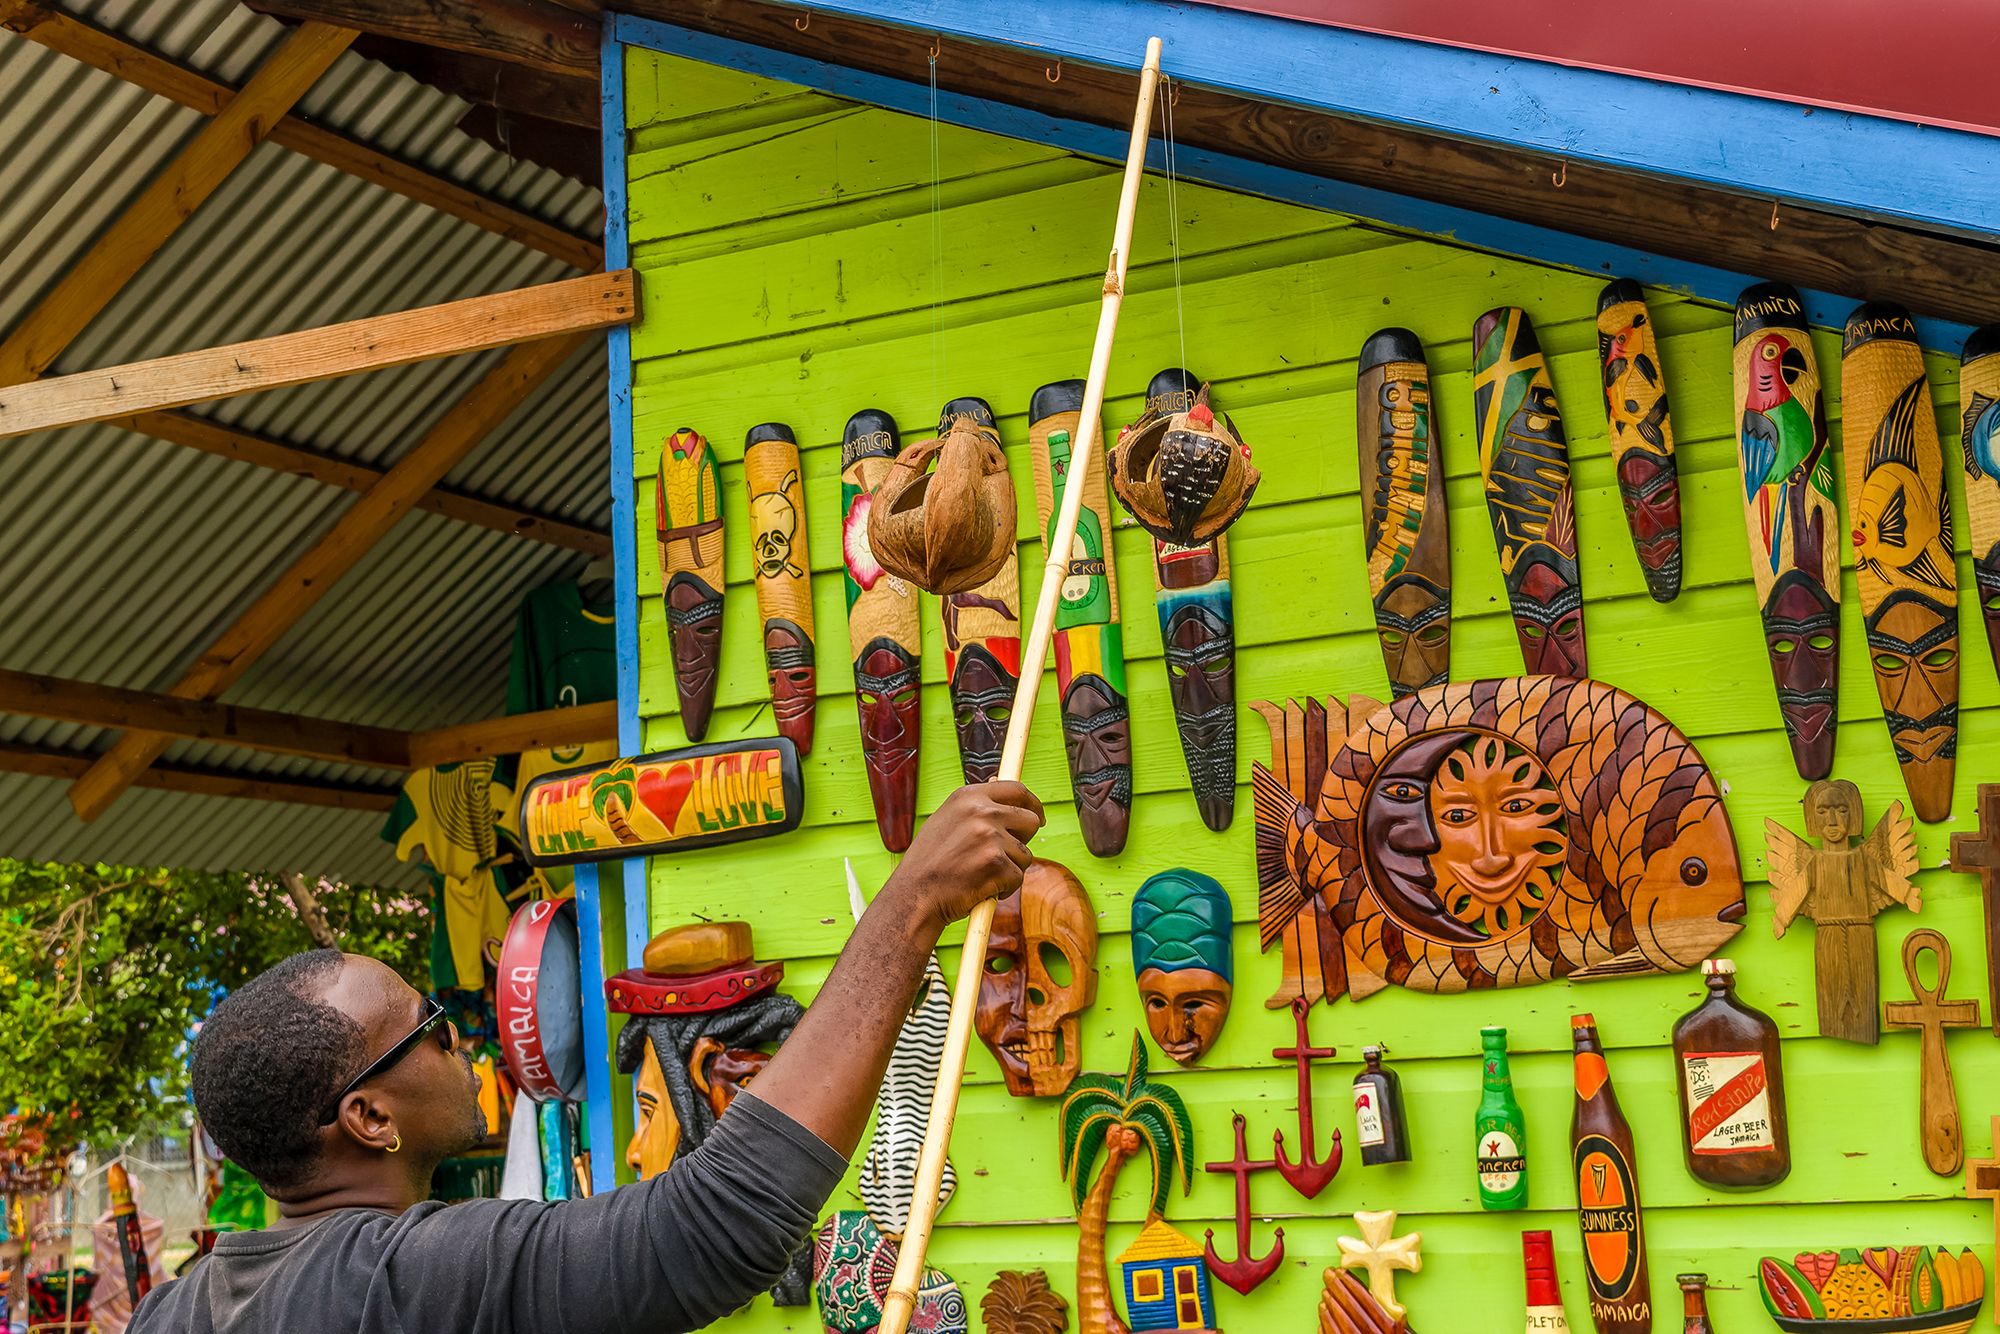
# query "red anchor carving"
(1308, 1176)
(1245, 1272)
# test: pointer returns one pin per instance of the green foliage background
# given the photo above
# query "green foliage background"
(104, 970)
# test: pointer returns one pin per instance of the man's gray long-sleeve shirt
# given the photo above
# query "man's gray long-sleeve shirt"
(675, 1253)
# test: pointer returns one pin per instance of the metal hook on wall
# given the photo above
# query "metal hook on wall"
(1053, 73)
(1174, 93)
(1561, 178)
(1774, 215)
(803, 23)
(937, 48)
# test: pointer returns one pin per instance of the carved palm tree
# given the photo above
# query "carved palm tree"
(611, 796)
(1105, 1122)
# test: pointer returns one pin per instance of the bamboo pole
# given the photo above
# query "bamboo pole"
(901, 1302)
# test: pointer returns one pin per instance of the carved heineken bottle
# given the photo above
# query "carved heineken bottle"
(1694, 1304)
(1607, 1194)
(1545, 1298)
(1378, 1112)
(1732, 1087)
(1502, 1131)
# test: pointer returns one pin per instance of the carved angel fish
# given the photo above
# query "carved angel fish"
(1488, 834)
(889, 1173)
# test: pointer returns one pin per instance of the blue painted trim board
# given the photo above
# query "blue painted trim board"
(597, 1087)
(1751, 145)
(1464, 226)
(605, 1154)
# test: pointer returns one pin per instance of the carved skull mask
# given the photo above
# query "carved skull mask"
(1041, 974)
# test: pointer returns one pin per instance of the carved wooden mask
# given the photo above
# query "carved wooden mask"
(1041, 974)
(1181, 930)
(781, 565)
(688, 524)
(1097, 733)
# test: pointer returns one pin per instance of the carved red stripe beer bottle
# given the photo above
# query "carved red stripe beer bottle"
(1732, 1087)
(1545, 1298)
(1607, 1194)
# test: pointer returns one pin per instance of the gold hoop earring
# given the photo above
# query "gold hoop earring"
(397, 1147)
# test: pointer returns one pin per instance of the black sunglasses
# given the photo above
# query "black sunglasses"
(433, 1018)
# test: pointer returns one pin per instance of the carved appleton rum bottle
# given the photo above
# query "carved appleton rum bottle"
(1607, 1194)
(1502, 1132)
(1545, 1298)
(1732, 1087)
(1694, 1304)
(1378, 1112)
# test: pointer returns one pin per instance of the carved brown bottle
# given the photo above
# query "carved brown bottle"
(1607, 1194)
(1694, 1304)
(1378, 1112)
(1732, 1088)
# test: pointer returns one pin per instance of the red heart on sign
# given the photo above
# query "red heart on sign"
(665, 792)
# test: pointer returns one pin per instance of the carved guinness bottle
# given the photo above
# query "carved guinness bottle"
(1378, 1112)
(1732, 1087)
(1545, 1298)
(1607, 1194)
(1502, 1131)
(1694, 1304)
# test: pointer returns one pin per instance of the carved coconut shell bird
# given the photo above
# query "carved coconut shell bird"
(1185, 476)
(943, 516)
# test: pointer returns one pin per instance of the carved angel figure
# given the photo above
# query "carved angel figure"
(1841, 885)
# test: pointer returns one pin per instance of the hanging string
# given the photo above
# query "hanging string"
(1168, 96)
(937, 247)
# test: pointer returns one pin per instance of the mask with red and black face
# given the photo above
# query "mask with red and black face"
(886, 686)
(982, 700)
(694, 631)
(788, 661)
(1548, 617)
(1200, 650)
(1098, 736)
(1650, 489)
(1802, 636)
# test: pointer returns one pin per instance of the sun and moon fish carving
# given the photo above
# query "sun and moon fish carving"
(1642, 433)
(1524, 462)
(884, 635)
(1197, 636)
(1786, 468)
(1089, 642)
(1899, 513)
(1979, 403)
(687, 518)
(982, 634)
(1487, 834)
(1403, 518)
(781, 565)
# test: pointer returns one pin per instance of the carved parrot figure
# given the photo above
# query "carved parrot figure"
(1778, 436)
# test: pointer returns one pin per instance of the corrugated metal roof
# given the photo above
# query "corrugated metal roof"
(126, 555)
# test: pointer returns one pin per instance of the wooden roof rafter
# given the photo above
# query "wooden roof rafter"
(45, 763)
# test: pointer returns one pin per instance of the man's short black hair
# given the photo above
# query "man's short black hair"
(268, 1063)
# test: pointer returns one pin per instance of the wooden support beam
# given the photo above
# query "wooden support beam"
(228, 442)
(576, 726)
(574, 305)
(527, 32)
(168, 200)
(573, 99)
(19, 759)
(44, 22)
(32, 695)
(475, 416)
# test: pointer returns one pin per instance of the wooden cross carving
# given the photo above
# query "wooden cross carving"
(1979, 854)
(1982, 1175)
(1381, 1254)
(1944, 1141)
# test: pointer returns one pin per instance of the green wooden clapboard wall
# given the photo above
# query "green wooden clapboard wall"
(785, 242)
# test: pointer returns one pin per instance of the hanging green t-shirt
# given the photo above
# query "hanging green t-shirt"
(565, 654)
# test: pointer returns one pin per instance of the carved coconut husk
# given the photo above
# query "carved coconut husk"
(1185, 476)
(943, 516)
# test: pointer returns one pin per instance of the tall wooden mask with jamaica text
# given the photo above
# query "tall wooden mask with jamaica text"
(1979, 400)
(1787, 474)
(1089, 643)
(1642, 433)
(884, 633)
(782, 565)
(1524, 461)
(1403, 520)
(688, 520)
(982, 634)
(1197, 635)
(1899, 517)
